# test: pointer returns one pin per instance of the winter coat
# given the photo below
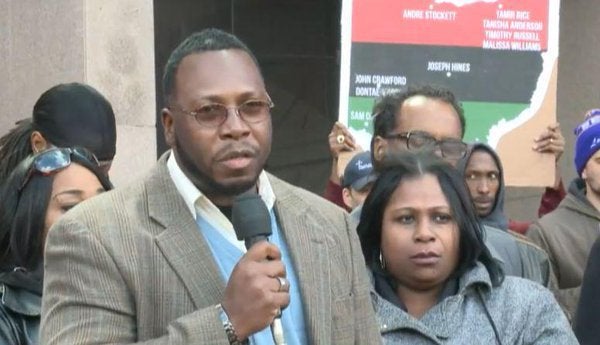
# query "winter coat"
(587, 317)
(516, 312)
(20, 307)
(518, 256)
(567, 235)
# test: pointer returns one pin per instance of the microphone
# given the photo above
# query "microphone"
(252, 223)
(250, 218)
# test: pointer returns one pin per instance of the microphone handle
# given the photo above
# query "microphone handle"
(276, 325)
(277, 330)
(250, 241)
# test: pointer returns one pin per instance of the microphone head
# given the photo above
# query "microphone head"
(250, 217)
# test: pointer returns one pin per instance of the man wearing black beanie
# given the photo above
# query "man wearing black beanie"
(66, 115)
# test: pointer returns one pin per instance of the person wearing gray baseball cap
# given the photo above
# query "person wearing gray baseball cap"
(357, 179)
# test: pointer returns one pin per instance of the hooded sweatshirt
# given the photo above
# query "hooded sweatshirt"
(518, 256)
(496, 218)
(567, 235)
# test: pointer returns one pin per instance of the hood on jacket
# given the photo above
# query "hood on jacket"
(577, 200)
(496, 218)
(577, 189)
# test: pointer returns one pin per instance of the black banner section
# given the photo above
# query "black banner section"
(473, 74)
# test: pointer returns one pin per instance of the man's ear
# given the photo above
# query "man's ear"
(38, 142)
(379, 148)
(347, 197)
(168, 126)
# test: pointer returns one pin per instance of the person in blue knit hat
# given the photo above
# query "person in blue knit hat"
(567, 233)
(588, 139)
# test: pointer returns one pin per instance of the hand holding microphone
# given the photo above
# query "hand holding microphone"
(257, 289)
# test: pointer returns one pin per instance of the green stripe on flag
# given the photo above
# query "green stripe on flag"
(480, 116)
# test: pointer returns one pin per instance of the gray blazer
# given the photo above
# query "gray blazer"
(131, 266)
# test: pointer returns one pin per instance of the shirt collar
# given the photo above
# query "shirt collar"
(191, 195)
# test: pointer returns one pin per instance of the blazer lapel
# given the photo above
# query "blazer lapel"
(308, 249)
(181, 243)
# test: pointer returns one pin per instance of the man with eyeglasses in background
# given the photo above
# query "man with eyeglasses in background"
(430, 117)
(416, 118)
(420, 117)
(160, 262)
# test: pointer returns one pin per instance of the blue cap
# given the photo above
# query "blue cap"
(359, 172)
(588, 139)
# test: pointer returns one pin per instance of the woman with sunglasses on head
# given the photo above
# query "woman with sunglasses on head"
(434, 281)
(39, 190)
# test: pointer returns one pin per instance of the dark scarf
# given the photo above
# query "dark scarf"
(20, 278)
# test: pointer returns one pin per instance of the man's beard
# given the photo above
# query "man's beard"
(205, 183)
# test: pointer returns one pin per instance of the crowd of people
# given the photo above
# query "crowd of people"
(409, 244)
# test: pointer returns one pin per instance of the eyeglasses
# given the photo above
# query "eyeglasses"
(55, 159)
(450, 148)
(215, 114)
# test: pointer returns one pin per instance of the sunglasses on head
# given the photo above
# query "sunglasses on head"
(55, 159)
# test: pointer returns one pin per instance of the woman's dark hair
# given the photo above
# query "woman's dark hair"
(23, 212)
(14, 147)
(66, 115)
(411, 164)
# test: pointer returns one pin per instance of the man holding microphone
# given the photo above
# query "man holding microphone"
(159, 262)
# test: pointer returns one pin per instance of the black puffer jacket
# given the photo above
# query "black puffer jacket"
(20, 307)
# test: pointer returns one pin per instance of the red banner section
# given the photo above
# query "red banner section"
(504, 25)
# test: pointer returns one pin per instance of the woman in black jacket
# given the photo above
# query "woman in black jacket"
(38, 191)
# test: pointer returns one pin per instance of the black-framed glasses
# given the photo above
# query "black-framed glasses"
(215, 114)
(55, 159)
(449, 148)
